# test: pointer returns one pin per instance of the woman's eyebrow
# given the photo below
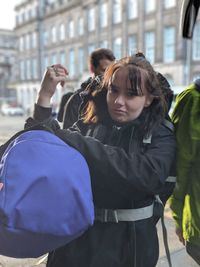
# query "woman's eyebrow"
(118, 87)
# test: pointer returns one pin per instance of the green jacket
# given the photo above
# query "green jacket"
(185, 202)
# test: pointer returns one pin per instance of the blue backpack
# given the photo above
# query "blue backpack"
(45, 194)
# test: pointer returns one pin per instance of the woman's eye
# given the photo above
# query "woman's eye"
(131, 93)
(112, 89)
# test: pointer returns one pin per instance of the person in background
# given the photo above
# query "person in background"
(63, 102)
(129, 150)
(99, 60)
(185, 202)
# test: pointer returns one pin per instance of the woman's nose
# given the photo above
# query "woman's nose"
(119, 100)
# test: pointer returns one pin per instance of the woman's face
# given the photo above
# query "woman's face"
(123, 105)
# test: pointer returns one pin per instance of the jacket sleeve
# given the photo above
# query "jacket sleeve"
(123, 172)
(112, 168)
(186, 121)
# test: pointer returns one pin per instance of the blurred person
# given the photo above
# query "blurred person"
(129, 150)
(99, 60)
(185, 202)
(63, 102)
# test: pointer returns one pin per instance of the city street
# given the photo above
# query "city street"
(10, 125)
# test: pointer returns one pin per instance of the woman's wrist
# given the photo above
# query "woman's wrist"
(44, 100)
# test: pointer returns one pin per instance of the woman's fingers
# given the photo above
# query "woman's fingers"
(58, 68)
(58, 73)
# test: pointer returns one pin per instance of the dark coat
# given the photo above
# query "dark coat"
(63, 102)
(71, 109)
(125, 174)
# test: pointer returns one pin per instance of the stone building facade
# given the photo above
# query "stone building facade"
(66, 31)
(7, 59)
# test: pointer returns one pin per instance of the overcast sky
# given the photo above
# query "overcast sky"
(7, 15)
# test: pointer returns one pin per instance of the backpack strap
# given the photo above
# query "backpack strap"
(124, 215)
(171, 179)
(168, 124)
(164, 232)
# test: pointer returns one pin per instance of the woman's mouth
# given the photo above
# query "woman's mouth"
(119, 111)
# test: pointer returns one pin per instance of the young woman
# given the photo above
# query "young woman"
(129, 150)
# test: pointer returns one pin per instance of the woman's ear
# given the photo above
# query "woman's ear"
(92, 68)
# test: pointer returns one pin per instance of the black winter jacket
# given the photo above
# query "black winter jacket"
(71, 110)
(125, 173)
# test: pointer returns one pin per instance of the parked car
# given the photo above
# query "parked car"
(12, 111)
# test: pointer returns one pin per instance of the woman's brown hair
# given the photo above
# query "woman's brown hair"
(141, 75)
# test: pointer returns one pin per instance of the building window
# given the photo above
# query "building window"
(104, 15)
(50, 2)
(104, 44)
(17, 19)
(62, 32)
(34, 68)
(21, 43)
(71, 29)
(169, 44)
(71, 63)
(132, 9)
(46, 62)
(28, 69)
(54, 59)
(53, 34)
(20, 18)
(30, 13)
(34, 40)
(169, 3)
(150, 46)
(8, 59)
(34, 11)
(81, 60)
(62, 58)
(117, 11)
(196, 42)
(45, 37)
(26, 15)
(27, 41)
(23, 16)
(132, 45)
(22, 70)
(117, 47)
(80, 26)
(150, 6)
(91, 19)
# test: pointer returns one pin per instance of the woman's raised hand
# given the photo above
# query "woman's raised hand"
(54, 75)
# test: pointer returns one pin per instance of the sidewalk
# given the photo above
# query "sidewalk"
(179, 257)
